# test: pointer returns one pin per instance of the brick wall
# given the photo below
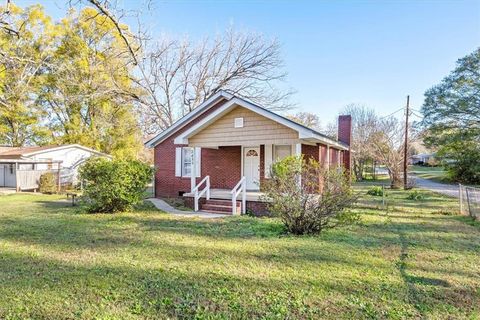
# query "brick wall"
(262, 165)
(223, 165)
(311, 152)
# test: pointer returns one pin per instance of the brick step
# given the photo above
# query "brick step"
(221, 208)
(222, 202)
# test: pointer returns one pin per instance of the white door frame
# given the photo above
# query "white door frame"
(259, 163)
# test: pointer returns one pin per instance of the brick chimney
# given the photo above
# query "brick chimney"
(345, 136)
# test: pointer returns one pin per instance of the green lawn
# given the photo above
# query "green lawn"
(414, 260)
(437, 174)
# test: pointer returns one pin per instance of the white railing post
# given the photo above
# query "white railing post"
(208, 187)
(197, 195)
(196, 200)
(244, 198)
(240, 187)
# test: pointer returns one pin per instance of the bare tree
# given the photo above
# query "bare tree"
(178, 75)
(388, 144)
(308, 119)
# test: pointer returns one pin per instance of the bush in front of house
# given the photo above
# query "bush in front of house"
(375, 191)
(114, 185)
(48, 183)
(415, 195)
(308, 198)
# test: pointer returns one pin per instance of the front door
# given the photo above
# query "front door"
(251, 167)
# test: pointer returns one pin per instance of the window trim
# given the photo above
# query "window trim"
(275, 158)
(183, 161)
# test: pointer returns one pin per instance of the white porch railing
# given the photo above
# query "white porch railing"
(198, 194)
(241, 187)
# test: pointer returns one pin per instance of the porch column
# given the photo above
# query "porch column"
(193, 171)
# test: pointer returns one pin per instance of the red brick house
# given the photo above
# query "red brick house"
(228, 144)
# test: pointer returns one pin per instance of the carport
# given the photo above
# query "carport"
(22, 174)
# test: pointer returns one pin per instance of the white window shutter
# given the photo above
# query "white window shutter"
(268, 159)
(178, 162)
(198, 159)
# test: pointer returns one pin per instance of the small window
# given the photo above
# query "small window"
(252, 153)
(282, 152)
(238, 123)
(187, 157)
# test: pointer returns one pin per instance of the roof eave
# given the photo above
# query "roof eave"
(184, 120)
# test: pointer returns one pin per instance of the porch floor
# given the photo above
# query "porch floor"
(225, 194)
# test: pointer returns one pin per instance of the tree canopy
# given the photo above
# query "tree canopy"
(66, 82)
(452, 118)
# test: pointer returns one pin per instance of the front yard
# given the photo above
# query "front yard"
(415, 260)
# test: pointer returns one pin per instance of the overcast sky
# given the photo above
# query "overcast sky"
(336, 52)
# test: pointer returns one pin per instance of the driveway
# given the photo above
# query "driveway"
(443, 188)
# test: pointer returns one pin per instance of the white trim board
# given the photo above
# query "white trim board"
(56, 148)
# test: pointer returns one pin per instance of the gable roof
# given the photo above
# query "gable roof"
(204, 106)
(21, 152)
(305, 133)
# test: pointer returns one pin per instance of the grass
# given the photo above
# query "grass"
(437, 174)
(177, 203)
(414, 259)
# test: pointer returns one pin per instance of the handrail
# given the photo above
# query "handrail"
(236, 191)
(197, 194)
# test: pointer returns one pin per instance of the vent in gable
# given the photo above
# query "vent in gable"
(238, 123)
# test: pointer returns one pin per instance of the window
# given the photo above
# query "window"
(187, 154)
(282, 152)
(183, 161)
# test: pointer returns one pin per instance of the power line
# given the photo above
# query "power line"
(416, 114)
(391, 114)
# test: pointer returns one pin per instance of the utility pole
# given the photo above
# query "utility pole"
(405, 164)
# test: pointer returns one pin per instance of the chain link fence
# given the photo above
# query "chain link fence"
(469, 201)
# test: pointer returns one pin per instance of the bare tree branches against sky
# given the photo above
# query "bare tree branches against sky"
(177, 75)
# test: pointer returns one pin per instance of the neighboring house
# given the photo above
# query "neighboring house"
(228, 144)
(21, 167)
(422, 158)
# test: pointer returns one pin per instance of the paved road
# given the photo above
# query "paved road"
(446, 189)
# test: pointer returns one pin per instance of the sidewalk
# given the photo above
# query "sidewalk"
(162, 205)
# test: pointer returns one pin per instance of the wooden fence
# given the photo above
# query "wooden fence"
(30, 179)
